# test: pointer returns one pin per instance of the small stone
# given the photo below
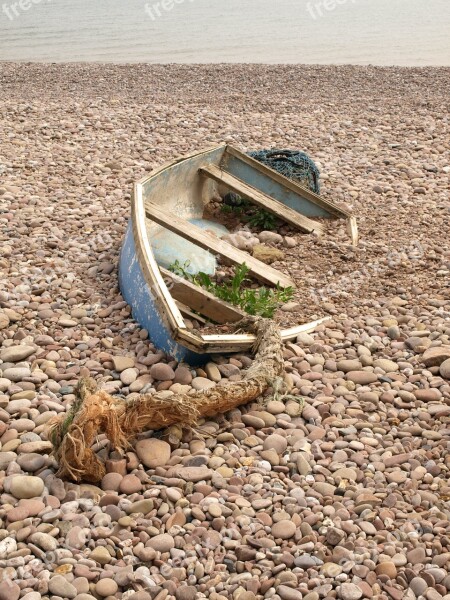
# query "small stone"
(270, 237)
(362, 377)
(17, 373)
(350, 591)
(101, 555)
(141, 506)
(267, 254)
(183, 375)
(130, 484)
(34, 507)
(445, 369)
(386, 568)
(128, 376)
(225, 472)
(213, 372)
(6, 458)
(106, 587)
(275, 442)
(153, 452)
(38, 446)
(287, 593)
(186, 592)
(334, 536)
(433, 357)
(162, 542)
(324, 489)
(17, 514)
(7, 546)
(4, 320)
(76, 538)
(253, 421)
(428, 394)
(349, 365)
(305, 339)
(416, 556)
(202, 383)
(111, 482)
(59, 586)
(418, 586)
(9, 590)
(31, 462)
(345, 473)
(162, 372)
(16, 353)
(303, 465)
(31, 596)
(284, 529)
(44, 541)
(388, 366)
(194, 474)
(122, 363)
(26, 486)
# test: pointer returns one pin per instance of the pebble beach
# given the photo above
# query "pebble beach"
(342, 490)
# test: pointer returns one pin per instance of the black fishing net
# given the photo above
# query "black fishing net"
(292, 164)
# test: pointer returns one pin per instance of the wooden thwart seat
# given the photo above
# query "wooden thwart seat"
(208, 241)
(262, 200)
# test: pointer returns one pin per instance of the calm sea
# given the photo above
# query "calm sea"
(382, 32)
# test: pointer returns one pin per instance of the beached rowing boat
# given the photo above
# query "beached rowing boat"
(173, 198)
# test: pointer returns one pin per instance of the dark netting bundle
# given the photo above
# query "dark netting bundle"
(292, 164)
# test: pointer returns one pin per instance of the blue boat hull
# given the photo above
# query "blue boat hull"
(137, 293)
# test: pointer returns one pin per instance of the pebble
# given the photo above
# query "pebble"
(24, 486)
(153, 452)
(162, 542)
(106, 587)
(59, 586)
(162, 372)
(16, 353)
(9, 590)
(350, 591)
(284, 530)
(100, 555)
(444, 369)
(122, 363)
(16, 373)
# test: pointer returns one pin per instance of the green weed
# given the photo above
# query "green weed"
(254, 216)
(261, 301)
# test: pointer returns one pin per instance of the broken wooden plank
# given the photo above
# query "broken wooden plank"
(353, 230)
(198, 236)
(241, 342)
(200, 300)
(187, 312)
(262, 200)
